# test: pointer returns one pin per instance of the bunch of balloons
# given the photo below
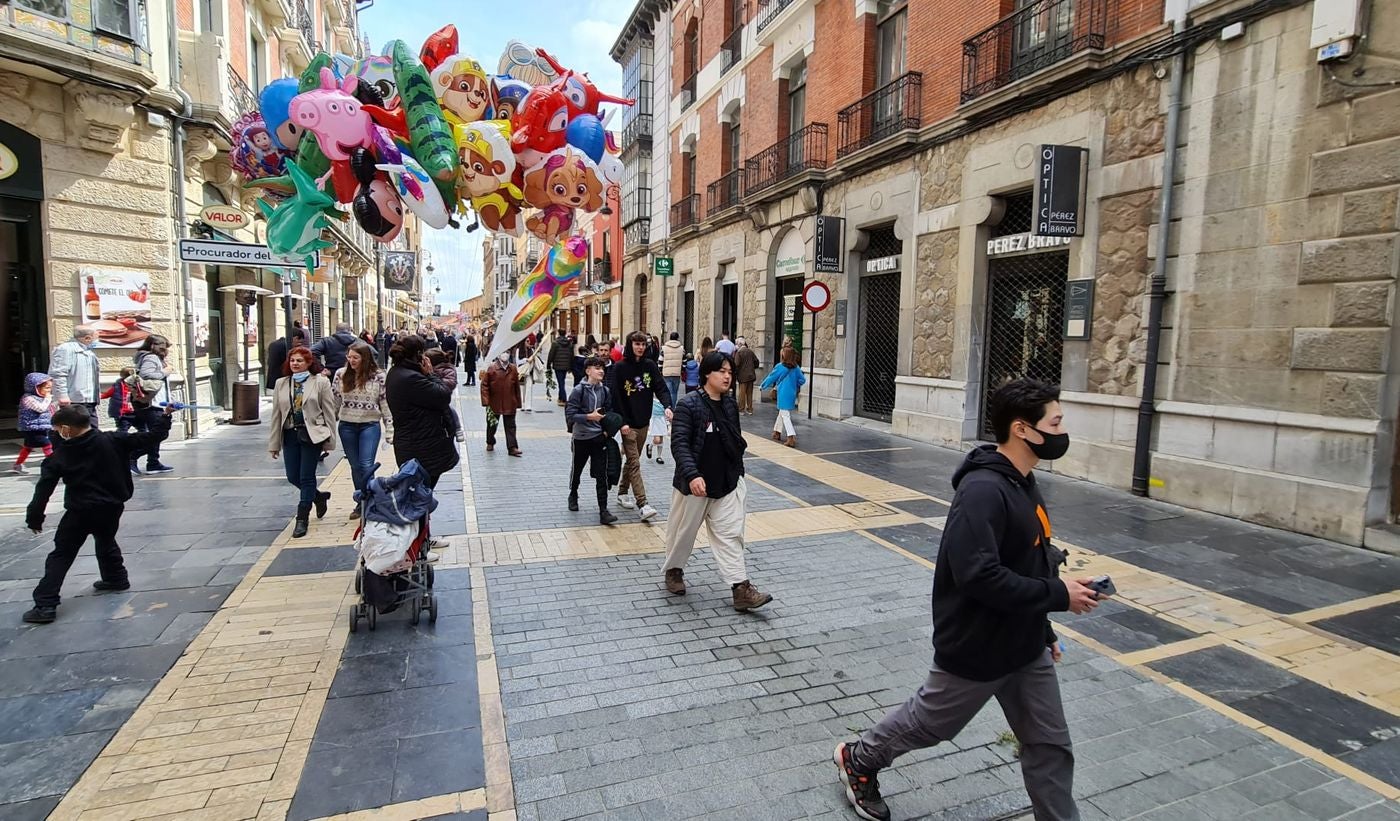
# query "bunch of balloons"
(433, 134)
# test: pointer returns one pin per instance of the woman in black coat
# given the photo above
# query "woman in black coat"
(418, 401)
(469, 356)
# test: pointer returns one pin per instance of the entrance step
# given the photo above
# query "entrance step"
(1385, 538)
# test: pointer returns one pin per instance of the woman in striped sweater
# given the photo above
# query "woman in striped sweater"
(361, 406)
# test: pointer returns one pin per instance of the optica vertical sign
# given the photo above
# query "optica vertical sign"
(1061, 174)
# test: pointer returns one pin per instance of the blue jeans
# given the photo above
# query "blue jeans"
(673, 384)
(300, 462)
(361, 442)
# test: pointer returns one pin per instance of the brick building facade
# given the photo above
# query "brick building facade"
(918, 123)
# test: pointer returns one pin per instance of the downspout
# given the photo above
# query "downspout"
(1157, 295)
(177, 142)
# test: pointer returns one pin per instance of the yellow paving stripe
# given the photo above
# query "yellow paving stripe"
(422, 808)
(225, 733)
(500, 789)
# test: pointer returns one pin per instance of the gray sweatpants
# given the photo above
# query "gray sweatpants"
(1030, 698)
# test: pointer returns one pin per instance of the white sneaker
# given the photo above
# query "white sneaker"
(626, 503)
(648, 513)
(433, 557)
(461, 436)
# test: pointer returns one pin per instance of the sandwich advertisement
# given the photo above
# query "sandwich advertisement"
(116, 304)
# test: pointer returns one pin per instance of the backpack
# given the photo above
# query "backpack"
(568, 420)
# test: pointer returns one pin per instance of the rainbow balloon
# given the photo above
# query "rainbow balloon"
(539, 291)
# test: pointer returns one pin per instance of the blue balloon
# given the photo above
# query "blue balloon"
(586, 133)
(274, 102)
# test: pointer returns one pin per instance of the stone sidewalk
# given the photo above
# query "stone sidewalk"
(1242, 673)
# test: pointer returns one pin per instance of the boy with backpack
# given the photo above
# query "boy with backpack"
(93, 465)
(588, 406)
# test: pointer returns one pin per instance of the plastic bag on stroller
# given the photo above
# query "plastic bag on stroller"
(383, 545)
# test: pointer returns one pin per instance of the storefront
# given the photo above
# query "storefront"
(789, 270)
(877, 343)
(23, 324)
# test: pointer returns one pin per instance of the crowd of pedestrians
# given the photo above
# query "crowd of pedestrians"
(996, 581)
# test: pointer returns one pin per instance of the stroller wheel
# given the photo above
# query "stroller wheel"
(354, 618)
(432, 610)
(415, 611)
(371, 616)
(430, 577)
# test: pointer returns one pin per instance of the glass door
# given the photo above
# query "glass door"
(24, 334)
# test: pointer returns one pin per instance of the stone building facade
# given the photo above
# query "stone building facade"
(1276, 390)
(90, 103)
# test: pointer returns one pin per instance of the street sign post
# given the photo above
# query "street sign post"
(816, 296)
(243, 254)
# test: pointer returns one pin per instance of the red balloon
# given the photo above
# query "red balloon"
(440, 45)
(579, 92)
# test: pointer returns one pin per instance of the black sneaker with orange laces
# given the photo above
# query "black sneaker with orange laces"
(862, 790)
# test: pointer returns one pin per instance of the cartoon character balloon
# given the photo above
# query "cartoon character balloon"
(463, 90)
(566, 180)
(429, 133)
(255, 154)
(485, 177)
(539, 292)
(507, 93)
(294, 227)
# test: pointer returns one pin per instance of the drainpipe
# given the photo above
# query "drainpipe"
(177, 142)
(1157, 295)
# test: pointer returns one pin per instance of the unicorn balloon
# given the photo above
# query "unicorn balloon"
(539, 292)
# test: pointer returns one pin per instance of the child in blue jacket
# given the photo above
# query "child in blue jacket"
(788, 379)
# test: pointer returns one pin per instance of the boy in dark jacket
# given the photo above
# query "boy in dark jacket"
(709, 446)
(995, 582)
(635, 382)
(590, 402)
(93, 465)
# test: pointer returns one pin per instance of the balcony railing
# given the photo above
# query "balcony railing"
(803, 150)
(884, 112)
(768, 11)
(638, 129)
(637, 234)
(686, 212)
(307, 24)
(1035, 37)
(732, 49)
(726, 192)
(244, 100)
(688, 92)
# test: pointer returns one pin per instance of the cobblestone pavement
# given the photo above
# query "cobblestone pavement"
(1241, 673)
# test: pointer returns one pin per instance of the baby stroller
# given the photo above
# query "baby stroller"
(392, 540)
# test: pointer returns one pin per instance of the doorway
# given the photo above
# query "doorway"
(878, 344)
(24, 331)
(218, 372)
(787, 314)
(688, 319)
(1025, 314)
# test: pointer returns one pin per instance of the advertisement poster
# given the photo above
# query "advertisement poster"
(116, 304)
(400, 270)
(199, 296)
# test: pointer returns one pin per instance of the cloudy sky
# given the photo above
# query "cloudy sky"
(577, 33)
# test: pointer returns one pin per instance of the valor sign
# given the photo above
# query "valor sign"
(1061, 172)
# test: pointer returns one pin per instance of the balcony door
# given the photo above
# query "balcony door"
(891, 36)
(1044, 34)
(797, 114)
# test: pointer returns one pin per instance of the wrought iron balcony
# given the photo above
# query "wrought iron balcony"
(886, 111)
(801, 151)
(688, 92)
(768, 11)
(732, 49)
(726, 192)
(244, 100)
(637, 235)
(686, 212)
(637, 130)
(1034, 37)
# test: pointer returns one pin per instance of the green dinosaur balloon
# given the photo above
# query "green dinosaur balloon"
(294, 227)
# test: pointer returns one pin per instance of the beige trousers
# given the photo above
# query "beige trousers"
(724, 517)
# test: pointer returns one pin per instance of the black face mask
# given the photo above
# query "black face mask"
(1052, 448)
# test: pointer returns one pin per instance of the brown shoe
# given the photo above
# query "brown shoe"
(777, 437)
(792, 441)
(490, 448)
(675, 581)
(516, 452)
(748, 597)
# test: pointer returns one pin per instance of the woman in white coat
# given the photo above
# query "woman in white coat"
(303, 427)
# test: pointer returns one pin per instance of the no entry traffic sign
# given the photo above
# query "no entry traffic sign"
(816, 296)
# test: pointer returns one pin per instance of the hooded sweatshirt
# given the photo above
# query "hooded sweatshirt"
(35, 411)
(996, 576)
(635, 381)
(95, 469)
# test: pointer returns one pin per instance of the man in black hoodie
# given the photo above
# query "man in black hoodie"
(635, 381)
(994, 584)
(94, 467)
